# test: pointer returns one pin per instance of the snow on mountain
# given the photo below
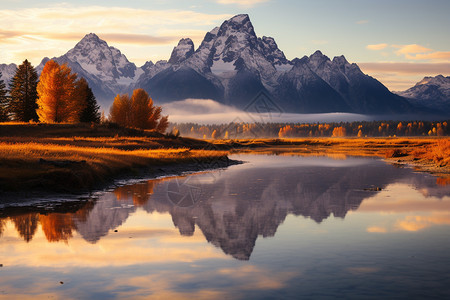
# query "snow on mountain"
(270, 49)
(431, 92)
(8, 72)
(182, 51)
(235, 39)
(304, 90)
(96, 57)
(362, 93)
(232, 65)
(233, 51)
(106, 69)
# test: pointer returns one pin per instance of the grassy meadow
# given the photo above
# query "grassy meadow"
(46, 157)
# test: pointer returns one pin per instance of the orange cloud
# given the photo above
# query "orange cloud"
(414, 52)
(438, 55)
(418, 52)
(411, 49)
(377, 46)
(7, 34)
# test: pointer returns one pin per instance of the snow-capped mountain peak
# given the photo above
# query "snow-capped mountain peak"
(438, 80)
(96, 57)
(340, 60)
(431, 92)
(317, 60)
(271, 51)
(239, 23)
(182, 51)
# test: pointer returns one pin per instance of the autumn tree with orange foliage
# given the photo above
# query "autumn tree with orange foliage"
(60, 95)
(57, 227)
(286, 131)
(138, 112)
(339, 132)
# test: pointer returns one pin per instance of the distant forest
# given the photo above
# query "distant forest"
(292, 130)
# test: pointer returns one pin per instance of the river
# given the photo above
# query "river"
(275, 227)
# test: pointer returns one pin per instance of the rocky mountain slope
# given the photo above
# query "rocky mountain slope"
(430, 92)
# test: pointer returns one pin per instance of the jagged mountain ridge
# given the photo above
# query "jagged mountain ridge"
(430, 92)
(232, 66)
(8, 71)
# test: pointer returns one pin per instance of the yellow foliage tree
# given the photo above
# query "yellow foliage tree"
(138, 112)
(60, 95)
(286, 131)
(214, 134)
(339, 132)
(360, 134)
(120, 111)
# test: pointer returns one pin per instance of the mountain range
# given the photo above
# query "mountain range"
(430, 92)
(234, 67)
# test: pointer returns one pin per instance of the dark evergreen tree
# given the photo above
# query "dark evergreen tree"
(90, 113)
(23, 93)
(3, 101)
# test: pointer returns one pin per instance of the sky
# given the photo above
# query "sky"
(396, 41)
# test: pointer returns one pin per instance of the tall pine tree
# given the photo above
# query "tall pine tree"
(3, 101)
(90, 112)
(23, 93)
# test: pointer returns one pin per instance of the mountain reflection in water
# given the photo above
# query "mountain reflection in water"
(233, 207)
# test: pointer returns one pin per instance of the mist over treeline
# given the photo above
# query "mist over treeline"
(292, 130)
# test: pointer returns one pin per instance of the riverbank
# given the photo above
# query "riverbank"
(46, 158)
(426, 154)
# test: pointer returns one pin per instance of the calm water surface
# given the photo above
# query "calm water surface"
(277, 227)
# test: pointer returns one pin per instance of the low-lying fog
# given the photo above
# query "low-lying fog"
(205, 111)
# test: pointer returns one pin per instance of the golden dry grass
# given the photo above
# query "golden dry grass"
(346, 146)
(40, 164)
(426, 154)
(74, 156)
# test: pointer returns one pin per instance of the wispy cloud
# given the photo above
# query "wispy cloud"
(411, 49)
(57, 27)
(360, 22)
(414, 52)
(406, 67)
(437, 55)
(399, 76)
(243, 3)
(418, 52)
(377, 47)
